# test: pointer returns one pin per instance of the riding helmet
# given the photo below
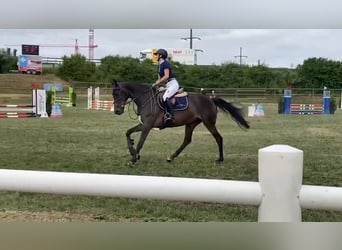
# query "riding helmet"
(161, 52)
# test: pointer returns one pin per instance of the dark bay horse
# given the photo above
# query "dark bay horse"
(200, 108)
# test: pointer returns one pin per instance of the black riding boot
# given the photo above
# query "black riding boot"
(169, 111)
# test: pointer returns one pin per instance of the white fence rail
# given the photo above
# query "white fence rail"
(279, 194)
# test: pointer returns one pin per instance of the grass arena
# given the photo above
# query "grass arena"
(90, 141)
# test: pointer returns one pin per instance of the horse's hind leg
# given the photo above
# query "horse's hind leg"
(189, 128)
(143, 135)
(219, 140)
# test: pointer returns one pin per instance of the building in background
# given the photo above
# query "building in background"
(182, 55)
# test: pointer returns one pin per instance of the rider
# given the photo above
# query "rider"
(167, 77)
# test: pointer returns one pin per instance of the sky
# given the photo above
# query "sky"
(271, 47)
(274, 33)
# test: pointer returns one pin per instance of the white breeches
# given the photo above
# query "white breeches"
(171, 89)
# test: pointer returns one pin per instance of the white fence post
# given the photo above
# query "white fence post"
(90, 98)
(280, 178)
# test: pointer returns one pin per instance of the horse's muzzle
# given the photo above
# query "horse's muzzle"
(118, 111)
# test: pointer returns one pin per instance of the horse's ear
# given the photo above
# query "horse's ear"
(115, 84)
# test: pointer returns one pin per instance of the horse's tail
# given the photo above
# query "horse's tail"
(235, 112)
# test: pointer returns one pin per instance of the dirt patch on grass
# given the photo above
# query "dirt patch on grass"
(25, 216)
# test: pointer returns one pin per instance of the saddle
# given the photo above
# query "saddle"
(179, 100)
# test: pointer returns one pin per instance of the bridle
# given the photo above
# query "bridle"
(150, 100)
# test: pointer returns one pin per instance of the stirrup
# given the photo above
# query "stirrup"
(167, 116)
(167, 120)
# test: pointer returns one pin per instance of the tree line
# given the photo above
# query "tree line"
(8, 60)
(230, 75)
(313, 73)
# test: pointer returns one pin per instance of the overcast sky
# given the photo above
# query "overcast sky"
(273, 47)
(275, 33)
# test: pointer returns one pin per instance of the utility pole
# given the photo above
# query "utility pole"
(77, 51)
(240, 56)
(191, 37)
(197, 50)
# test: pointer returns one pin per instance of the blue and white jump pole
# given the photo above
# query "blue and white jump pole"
(288, 96)
(326, 102)
(287, 101)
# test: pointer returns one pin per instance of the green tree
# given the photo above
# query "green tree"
(284, 77)
(314, 73)
(126, 69)
(2, 63)
(231, 76)
(76, 68)
(204, 76)
(260, 77)
(188, 75)
(320, 72)
(8, 60)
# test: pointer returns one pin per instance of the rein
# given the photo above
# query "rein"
(143, 105)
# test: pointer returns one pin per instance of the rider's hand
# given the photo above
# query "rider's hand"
(154, 85)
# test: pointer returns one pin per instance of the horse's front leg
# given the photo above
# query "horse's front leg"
(130, 141)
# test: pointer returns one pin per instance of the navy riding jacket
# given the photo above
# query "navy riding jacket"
(165, 65)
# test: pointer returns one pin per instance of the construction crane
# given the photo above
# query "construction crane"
(76, 47)
(91, 46)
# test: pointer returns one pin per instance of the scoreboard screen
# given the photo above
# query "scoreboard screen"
(27, 49)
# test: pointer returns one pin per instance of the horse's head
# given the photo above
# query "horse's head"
(120, 96)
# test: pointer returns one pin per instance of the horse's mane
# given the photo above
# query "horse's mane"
(133, 86)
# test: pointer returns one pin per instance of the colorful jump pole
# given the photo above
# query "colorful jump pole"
(287, 101)
(326, 102)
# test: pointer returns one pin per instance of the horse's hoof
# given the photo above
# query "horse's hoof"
(169, 159)
(218, 162)
(130, 164)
